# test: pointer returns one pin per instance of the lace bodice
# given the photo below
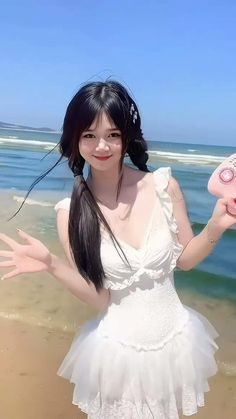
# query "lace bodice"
(160, 251)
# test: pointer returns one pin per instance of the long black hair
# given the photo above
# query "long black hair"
(85, 216)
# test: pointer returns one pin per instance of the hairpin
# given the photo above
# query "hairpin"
(131, 109)
(135, 115)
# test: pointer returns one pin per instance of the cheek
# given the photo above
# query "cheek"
(118, 145)
(84, 147)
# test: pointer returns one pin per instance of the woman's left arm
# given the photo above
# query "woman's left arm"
(197, 248)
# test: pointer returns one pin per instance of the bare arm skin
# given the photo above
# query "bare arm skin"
(197, 248)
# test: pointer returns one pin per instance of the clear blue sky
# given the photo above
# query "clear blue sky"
(177, 57)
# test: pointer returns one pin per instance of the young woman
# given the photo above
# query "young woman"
(124, 230)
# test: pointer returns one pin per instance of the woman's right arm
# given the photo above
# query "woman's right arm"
(34, 256)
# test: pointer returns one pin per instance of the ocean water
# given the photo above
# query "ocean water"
(38, 298)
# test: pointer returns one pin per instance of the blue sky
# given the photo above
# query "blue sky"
(177, 58)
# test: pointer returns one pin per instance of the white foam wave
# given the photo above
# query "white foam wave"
(30, 201)
(227, 368)
(187, 158)
(49, 147)
(28, 130)
(27, 142)
(33, 320)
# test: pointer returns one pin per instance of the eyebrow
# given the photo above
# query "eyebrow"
(109, 129)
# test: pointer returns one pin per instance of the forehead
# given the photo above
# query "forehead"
(102, 120)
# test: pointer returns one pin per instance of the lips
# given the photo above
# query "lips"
(102, 157)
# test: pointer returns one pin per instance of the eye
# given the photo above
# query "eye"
(88, 136)
(115, 134)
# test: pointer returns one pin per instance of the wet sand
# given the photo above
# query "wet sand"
(30, 388)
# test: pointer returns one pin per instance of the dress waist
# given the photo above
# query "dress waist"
(144, 318)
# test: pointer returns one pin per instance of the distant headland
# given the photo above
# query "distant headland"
(6, 125)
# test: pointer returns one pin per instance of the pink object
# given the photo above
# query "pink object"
(222, 182)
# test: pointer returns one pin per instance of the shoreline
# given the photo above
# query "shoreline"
(30, 357)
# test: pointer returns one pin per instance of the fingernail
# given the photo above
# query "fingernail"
(18, 229)
(2, 278)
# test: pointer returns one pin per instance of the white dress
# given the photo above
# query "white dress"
(148, 355)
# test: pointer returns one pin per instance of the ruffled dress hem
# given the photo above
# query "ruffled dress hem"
(138, 383)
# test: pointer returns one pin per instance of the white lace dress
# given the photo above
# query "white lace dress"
(148, 355)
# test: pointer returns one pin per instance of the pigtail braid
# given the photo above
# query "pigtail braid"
(137, 151)
(84, 231)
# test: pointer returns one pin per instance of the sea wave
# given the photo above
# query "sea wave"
(38, 143)
(30, 201)
(18, 128)
(200, 159)
(41, 321)
(227, 368)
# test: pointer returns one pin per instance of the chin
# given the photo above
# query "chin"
(103, 166)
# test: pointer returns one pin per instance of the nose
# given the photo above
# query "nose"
(102, 145)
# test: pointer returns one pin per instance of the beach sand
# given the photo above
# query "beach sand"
(30, 389)
(29, 386)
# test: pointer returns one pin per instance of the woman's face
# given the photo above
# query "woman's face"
(101, 144)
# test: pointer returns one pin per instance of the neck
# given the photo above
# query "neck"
(105, 183)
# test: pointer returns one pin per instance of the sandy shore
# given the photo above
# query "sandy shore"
(30, 388)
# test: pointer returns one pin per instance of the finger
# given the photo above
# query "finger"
(26, 236)
(12, 243)
(7, 263)
(228, 200)
(11, 274)
(6, 253)
(223, 200)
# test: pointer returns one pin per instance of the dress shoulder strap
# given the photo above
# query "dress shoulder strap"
(161, 180)
(64, 204)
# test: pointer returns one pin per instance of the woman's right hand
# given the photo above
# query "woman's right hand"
(25, 258)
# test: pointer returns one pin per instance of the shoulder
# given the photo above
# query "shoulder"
(63, 204)
(174, 190)
(62, 219)
(62, 209)
(165, 182)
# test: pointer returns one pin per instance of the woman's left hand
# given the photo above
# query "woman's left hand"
(221, 216)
